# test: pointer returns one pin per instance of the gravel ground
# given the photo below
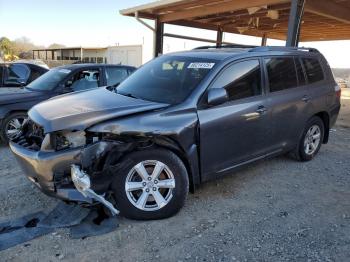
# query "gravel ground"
(274, 210)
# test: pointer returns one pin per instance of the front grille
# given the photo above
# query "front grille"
(31, 137)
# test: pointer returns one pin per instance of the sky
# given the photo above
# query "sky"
(92, 23)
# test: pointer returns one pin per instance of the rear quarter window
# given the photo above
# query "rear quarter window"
(313, 70)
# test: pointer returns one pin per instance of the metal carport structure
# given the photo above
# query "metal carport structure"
(290, 20)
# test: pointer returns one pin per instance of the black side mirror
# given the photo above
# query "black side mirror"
(217, 96)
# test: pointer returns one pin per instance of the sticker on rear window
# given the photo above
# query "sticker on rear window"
(64, 71)
(201, 65)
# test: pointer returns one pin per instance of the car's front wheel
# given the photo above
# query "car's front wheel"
(150, 184)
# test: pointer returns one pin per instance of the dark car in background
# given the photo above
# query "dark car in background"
(180, 120)
(15, 102)
(19, 74)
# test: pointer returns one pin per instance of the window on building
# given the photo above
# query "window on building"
(313, 70)
(281, 73)
(241, 80)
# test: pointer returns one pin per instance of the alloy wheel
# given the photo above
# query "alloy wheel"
(312, 139)
(14, 127)
(149, 185)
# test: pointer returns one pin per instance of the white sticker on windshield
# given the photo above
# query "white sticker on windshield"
(201, 65)
(64, 71)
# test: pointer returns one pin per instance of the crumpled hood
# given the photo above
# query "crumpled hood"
(12, 95)
(80, 110)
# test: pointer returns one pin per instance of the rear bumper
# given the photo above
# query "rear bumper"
(40, 168)
(334, 112)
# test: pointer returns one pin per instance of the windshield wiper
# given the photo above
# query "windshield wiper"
(124, 94)
(128, 95)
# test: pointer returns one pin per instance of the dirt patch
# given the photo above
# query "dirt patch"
(274, 210)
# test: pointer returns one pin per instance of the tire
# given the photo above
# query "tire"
(300, 152)
(129, 202)
(6, 122)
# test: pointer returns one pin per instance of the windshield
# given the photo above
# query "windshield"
(167, 79)
(49, 80)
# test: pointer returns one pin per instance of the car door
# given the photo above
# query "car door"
(321, 91)
(236, 131)
(288, 100)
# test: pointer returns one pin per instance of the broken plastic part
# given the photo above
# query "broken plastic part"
(82, 182)
(75, 139)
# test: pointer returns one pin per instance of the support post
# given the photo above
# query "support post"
(81, 54)
(264, 40)
(33, 54)
(158, 38)
(294, 23)
(45, 54)
(219, 36)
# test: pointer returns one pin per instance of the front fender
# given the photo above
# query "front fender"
(180, 127)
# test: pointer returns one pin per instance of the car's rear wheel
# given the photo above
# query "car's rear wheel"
(150, 184)
(12, 125)
(311, 140)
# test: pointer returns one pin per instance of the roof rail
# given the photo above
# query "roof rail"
(225, 46)
(282, 48)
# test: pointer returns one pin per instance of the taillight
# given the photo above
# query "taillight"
(337, 90)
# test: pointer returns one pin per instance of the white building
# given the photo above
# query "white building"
(126, 55)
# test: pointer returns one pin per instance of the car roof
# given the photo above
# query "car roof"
(88, 65)
(216, 54)
(228, 52)
(25, 63)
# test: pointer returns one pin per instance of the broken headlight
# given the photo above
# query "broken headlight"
(70, 139)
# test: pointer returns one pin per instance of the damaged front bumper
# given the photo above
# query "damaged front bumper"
(82, 183)
(43, 168)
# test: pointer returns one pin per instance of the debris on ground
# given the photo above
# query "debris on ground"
(82, 222)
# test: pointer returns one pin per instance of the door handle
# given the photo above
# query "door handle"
(261, 110)
(306, 98)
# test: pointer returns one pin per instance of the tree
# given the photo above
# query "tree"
(23, 45)
(6, 46)
(55, 45)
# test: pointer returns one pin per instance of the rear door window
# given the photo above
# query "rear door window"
(282, 73)
(313, 70)
(35, 73)
(241, 80)
(115, 75)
